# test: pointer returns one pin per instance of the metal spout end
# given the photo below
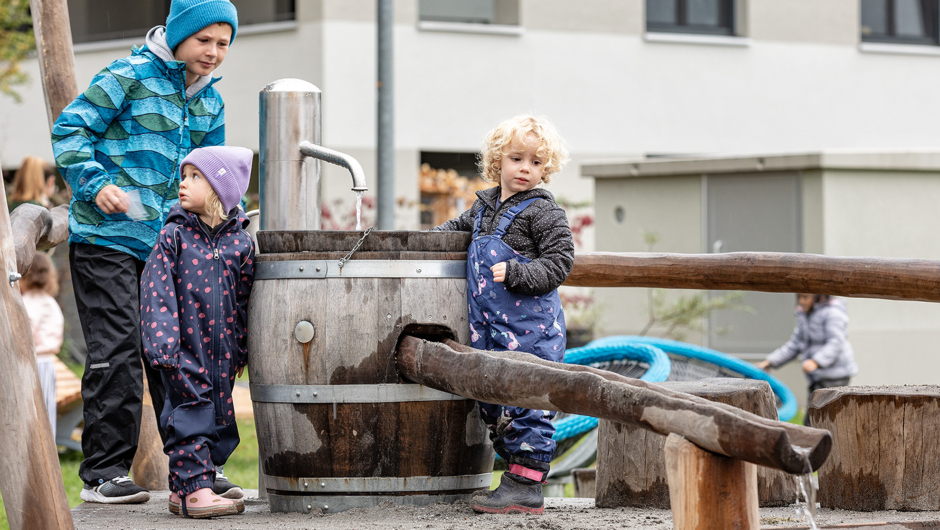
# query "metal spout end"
(340, 159)
(362, 188)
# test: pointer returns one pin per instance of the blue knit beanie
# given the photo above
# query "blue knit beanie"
(189, 16)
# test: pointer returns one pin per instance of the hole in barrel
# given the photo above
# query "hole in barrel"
(429, 332)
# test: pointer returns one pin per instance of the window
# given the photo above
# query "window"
(102, 20)
(900, 21)
(711, 17)
(502, 12)
(448, 183)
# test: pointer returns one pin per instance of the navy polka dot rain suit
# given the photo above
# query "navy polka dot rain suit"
(194, 300)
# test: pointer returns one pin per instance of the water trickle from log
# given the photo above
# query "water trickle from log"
(358, 210)
(808, 485)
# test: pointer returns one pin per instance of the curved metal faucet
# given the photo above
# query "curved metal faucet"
(340, 159)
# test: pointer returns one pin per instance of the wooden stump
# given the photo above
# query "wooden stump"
(710, 491)
(886, 447)
(151, 464)
(631, 467)
(585, 481)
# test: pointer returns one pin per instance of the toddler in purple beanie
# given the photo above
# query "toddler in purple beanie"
(194, 301)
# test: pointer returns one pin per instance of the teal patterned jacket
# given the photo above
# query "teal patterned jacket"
(131, 128)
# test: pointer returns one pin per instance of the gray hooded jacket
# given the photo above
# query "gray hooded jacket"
(821, 335)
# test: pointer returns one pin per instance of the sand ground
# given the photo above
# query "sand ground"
(560, 514)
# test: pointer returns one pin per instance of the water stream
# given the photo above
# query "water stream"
(358, 210)
(807, 485)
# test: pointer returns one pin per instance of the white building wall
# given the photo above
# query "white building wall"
(795, 81)
(887, 214)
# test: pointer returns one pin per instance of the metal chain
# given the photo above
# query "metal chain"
(356, 247)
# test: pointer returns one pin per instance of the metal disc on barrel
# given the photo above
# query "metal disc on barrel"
(337, 427)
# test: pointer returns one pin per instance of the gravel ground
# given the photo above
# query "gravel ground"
(560, 514)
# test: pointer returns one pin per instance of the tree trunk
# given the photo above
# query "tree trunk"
(884, 447)
(30, 478)
(709, 491)
(56, 60)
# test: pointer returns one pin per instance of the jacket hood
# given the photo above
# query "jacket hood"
(157, 45)
(181, 217)
(834, 303)
(489, 196)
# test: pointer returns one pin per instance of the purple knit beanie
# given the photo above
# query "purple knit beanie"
(226, 168)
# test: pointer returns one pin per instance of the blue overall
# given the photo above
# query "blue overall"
(501, 320)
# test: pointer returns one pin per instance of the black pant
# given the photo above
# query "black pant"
(822, 383)
(107, 294)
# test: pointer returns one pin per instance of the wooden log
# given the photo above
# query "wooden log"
(36, 228)
(151, 463)
(885, 447)
(30, 478)
(709, 491)
(631, 465)
(523, 380)
(585, 481)
(891, 278)
(56, 60)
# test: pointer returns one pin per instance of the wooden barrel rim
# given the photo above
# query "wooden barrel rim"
(287, 241)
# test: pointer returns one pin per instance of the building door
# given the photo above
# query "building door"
(753, 213)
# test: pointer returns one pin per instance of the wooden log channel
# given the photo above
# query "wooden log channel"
(523, 380)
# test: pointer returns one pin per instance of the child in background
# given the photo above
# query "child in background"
(117, 146)
(30, 184)
(821, 340)
(39, 286)
(522, 250)
(194, 302)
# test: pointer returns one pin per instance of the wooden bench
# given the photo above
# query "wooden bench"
(68, 402)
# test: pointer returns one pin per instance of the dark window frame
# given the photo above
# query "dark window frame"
(725, 27)
(932, 26)
(87, 37)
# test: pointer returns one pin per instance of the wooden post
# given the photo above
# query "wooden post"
(56, 60)
(885, 446)
(151, 464)
(631, 466)
(709, 491)
(585, 480)
(30, 477)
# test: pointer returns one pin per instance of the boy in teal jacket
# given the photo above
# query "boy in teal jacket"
(119, 145)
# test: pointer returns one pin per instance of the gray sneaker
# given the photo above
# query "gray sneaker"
(223, 488)
(119, 490)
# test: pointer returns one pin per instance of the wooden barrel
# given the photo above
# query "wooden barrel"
(631, 465)
(337, 427)
(884, 447)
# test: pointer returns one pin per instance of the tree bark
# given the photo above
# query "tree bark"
(891, 278)
(523, 380)
(30, 478)
(36, 228)
(884, 447)
(56, 60)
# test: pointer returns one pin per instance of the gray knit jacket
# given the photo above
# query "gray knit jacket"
(540, 233)
(821, 335)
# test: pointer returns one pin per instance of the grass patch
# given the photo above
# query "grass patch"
(241, 469)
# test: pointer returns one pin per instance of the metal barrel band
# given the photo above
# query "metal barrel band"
(318, 269)
(325, 394)
(359, 485)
